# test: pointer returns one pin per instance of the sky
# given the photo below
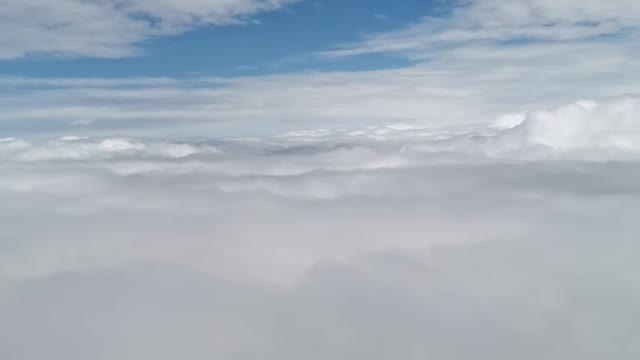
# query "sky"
(299, 179)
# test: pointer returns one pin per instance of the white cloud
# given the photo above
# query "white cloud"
(108, 28)
(496, 20)
(279, 185)
(472, 84)
(606, 128)
(77, 148)
(584, 125)
(397, 240)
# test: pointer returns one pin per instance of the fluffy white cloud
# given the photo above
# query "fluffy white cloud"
(109, 28)
(583, 126)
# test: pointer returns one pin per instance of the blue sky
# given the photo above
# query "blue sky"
(279, 41)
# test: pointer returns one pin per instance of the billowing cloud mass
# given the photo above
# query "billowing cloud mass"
(110, 28)
(515, 240)
(595, 129)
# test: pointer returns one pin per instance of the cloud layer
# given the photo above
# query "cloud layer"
(453, 242)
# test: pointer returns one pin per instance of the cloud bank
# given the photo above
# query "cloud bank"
(451, 242)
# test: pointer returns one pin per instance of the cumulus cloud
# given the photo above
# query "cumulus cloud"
(585, 127)
(109, 28)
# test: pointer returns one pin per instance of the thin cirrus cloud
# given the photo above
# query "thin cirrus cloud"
(108, 28)
(499, 21)
(471, 84)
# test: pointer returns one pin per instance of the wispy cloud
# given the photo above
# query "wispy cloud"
(109, 28)
(471, 84)
(499, 21)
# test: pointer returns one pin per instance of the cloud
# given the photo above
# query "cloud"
(552, 298)
(497, 21)
(582, 126)
(468, 80)
(108, 28)
(606, 128)
(283, 185)
(451, 209)
(472, 84)
(78, 148)
(396, 240)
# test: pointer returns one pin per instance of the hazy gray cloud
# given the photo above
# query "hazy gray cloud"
(556, 293)
(390, 241)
